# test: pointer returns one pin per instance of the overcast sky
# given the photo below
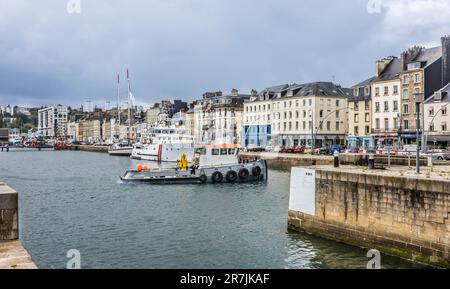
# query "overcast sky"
(182, 48)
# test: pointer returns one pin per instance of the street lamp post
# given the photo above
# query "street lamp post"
(418, 100)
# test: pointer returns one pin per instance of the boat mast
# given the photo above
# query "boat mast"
(129, 107)
(118, 104)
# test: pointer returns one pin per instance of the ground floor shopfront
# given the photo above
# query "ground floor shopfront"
(360, 141)
(288, 140)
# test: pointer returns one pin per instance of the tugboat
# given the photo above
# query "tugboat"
(216, 164)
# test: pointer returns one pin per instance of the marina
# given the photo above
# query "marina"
(207, 226)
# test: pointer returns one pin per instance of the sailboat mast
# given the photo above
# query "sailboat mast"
(129, 107)
(118, 101)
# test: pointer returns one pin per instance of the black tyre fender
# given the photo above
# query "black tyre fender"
(244, 174)
(256, 171)
(231, 176)
(217, 177)
(203, 179)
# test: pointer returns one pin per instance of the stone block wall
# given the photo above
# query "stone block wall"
(402, 216)
(9, 213)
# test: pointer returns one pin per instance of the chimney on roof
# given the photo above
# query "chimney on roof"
(445, 60)
(409, 55)
(234, 92)
(381, 65)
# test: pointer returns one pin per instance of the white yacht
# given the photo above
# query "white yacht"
(164, 145)
(122, 148)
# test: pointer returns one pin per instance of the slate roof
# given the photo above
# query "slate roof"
(391, 72)
(445, 95)
(429, 55)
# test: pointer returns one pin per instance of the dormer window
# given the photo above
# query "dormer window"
(414, 66)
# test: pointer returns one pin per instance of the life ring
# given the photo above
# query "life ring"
(244, 174)
(203, 179)
(256, 171)
(231, 176)
(217, 177)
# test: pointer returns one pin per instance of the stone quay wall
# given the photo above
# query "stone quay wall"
(89, 148)
(402, 216)
(9, 213)
(280, 161)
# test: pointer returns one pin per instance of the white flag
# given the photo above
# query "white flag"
(132, 99)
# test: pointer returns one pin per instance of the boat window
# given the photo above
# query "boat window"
(201, 151)
(215, 152)
(231, 151)
(223, 152)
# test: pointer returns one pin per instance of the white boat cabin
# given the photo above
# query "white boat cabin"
(216, 156)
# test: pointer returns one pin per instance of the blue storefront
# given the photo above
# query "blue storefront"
(360, 141)
(257, 135)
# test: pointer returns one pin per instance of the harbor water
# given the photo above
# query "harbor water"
(75, 200)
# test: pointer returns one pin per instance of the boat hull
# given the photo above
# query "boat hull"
(120, 153)
(237, 173)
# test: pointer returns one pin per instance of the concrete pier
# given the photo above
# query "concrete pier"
(394, 211)
(89, 148)
(12, 254)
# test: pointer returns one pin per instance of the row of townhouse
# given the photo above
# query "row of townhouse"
(382, 109)
(100, 130)
(297, 114)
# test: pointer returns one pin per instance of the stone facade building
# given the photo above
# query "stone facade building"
(257, 130)
(163, 111)
(423, 72)
(312, 113)
(360, 115)
(437, 119)
(218, 118)
(385, 91)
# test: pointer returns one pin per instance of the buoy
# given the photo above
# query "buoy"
(145, 168)
(139, 168)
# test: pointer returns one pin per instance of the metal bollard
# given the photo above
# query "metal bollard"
(371, 161)
(336, 159)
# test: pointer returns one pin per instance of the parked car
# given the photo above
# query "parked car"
(353, 150)
(299, 150)
(269, 148)
(324, 150)
(335, 148)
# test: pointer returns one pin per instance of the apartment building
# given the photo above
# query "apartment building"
(52, 121)
(312, 113)
(219, 118)
(163, 111)
(437, 119)
(257, 130)
(423, 72)
(360, 115)
(385, 90)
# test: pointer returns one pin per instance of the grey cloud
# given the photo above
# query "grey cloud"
(181, 48)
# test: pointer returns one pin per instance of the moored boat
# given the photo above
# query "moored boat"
(121, 149)
(164, 145)
(211, 165)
